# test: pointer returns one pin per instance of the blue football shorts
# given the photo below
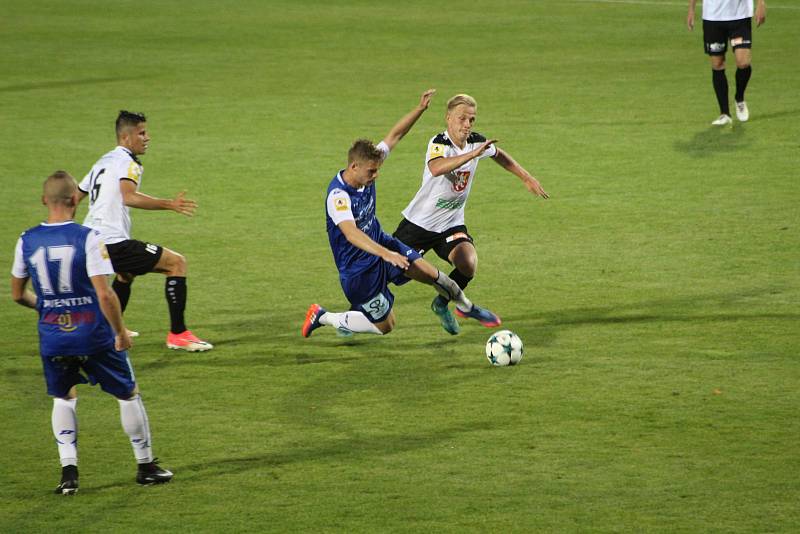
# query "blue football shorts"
(368, 291)
(111, 369)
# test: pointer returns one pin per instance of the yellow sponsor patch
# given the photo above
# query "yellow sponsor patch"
(436, 151)
(340, 204)
(134, 171)
(103, 251)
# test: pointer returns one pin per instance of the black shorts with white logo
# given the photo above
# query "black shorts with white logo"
(134, 257)
(442, 243)
(717, 33)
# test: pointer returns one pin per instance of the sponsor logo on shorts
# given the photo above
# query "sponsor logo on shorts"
(152, 249)
(377, 307)
(457, 235)
(739, 41)
(716, 47)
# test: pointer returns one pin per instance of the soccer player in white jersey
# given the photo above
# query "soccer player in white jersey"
(113, 187)
(434, 219)
(729, 21)
(367, 258)
(67, 266)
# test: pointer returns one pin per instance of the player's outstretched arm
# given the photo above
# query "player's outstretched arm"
(109, 305)
(359, 239)
(135, 199)
(505, 160)
(440, 166)
(404, 125)
(20, 294)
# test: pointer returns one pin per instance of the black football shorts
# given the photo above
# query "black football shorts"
(717, 34)
(442, 243)
(134, 257)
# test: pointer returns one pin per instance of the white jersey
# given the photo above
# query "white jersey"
(727, 9)
(439, 203)
(108, 213)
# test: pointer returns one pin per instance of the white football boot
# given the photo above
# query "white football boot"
(722, 120)
(742, 113)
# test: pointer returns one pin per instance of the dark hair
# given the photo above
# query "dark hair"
(363, 150)
(126, 119)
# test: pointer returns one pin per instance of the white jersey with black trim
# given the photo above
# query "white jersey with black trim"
(439, 203)
(108, 213)
(720, 10)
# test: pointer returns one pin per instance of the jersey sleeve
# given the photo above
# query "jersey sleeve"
(339, 206)
(19, 269)
(86, 183)
(384, 148)
(133, 172)
(489, 152)
(97, 260)
(435, 150)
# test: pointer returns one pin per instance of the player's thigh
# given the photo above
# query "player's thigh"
(387, 325)
(368, 292)
(133, 257)
(415, 236)
(62, 374)
(111, 369)
(171, 263)
(464, 257)
(715, 38)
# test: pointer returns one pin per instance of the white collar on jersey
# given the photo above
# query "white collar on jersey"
(341, 181)
(57, 224)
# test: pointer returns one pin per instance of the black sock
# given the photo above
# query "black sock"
(123, 291)
(175, 290)
(742, 77)
(459, 278)
(720, 82)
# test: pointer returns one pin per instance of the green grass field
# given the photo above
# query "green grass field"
(656, 291)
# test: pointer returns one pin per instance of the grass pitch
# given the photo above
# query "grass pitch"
(656, 291)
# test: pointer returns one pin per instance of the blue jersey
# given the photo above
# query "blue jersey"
(60, 259)
(343, 203)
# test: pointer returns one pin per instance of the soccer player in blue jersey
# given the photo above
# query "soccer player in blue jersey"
(368, 258)
(68, 265)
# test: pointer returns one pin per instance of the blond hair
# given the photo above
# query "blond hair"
(461, 99)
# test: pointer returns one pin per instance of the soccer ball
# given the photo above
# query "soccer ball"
(504, 348)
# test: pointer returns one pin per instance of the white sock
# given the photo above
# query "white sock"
(354, 321)
(447, 288)
(136, 425)
(65, 429)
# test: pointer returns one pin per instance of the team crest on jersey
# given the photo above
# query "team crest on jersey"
(437, 151)
(340, 204)
(134, 171)
(461, 181)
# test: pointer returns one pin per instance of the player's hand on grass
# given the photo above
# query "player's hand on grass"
(122, 341)
(426, 97)
(396, 259)
(184, 206)
(535, 187)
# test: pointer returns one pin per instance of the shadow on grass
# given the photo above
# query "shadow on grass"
(356, 448)
(714, 140)
(21, 87)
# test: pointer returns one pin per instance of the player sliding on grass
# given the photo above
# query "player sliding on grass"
(77, 311)
(368, 258)
(113, 187)
(435, 217)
